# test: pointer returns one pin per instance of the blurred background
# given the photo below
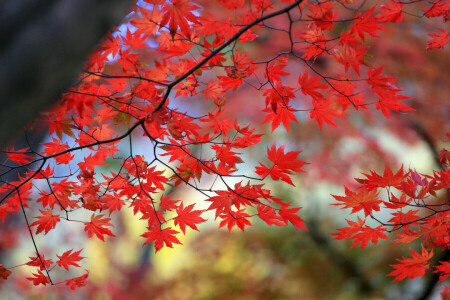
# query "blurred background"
(267, 262)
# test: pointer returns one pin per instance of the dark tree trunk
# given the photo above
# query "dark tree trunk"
(43, 44)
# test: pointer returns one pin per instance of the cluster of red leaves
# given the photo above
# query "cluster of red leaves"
(417, 213)
(200, 51)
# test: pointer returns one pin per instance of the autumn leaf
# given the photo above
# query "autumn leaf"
(439, 39)
(364, 199)
(36, 262)
(290, 214)
(231, 219)
(161, 237)
(97, 227)
(177, 14)
(19, 155)
(46, 222)
(187, 216)
(324, 111)
(39, 278)
(222, 202)
(367, 234)
(412, 267)
(4, 273)
(77, 282)
(391, 12)
(69, 258)
(348, 232)
(309, 86)
(284, 164)
(443, 269)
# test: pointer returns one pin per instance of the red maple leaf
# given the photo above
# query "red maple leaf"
(177, 14)
(69, 258)
(391, 12)
(189, 217)
(412, 267)
(149, 23)
(77, 281)
(324, 111)
(18, 156)
(96, 226)
(36, 262)
(4, 273)
(367, 234)
(160, 237)
(439, 39)
(309, 86)
(388, 179)
(46, 222)
(284, 164)
(348, 232)
(438, 8)
(443, 268)
(39, 278)
(231, 219)
(134, 40)
(167, 204)
(222, 202)
(282, 114)
(364, 199)
(290, 214)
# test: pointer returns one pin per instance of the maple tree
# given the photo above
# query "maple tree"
(173, 76)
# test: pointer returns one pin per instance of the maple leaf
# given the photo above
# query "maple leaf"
(309, 86)
(367, 234)
(213, 90)
(36, 262)
(365, 199)
(349, 56)
(281, 115)
(56, 147)
(4, 273)
(407, 236)
(323, 111)
(400, 219)
(46, 222)
(412, 267)
(443, 268)
(189, 217)
(222, 202)
(389, 100)
(284, 164)
(290, 214)
(69, 258)
(348, 232)
(77, 281)
(18, 156)
(388, 179)
(39, 278)
(268, 215)
(365, 23)
(439, 39)
(232, 219)
(167, 204)
(134, 40)
(96, 226)
(391, 12)
(177, 14)
(149, 23)
(437, 9)
(112, 202)
(4, 210)
(160, 237)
